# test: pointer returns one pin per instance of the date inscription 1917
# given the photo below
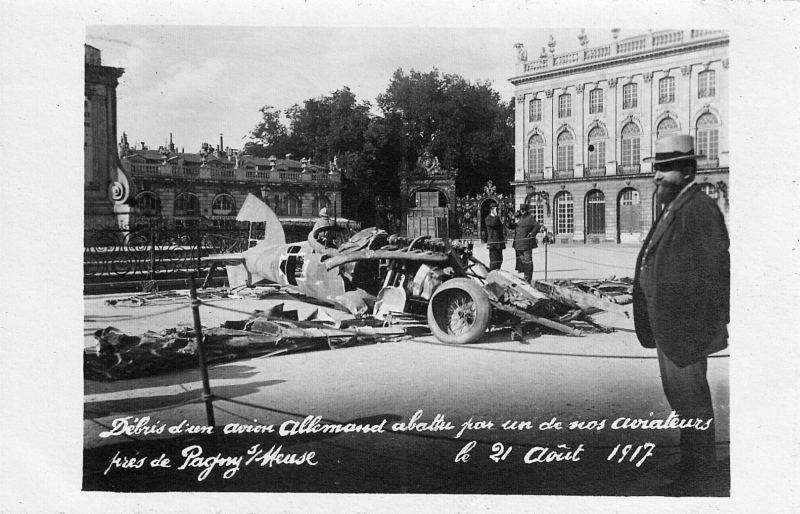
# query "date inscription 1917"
(621, 453)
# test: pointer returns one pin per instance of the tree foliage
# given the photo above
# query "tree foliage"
(466, 125)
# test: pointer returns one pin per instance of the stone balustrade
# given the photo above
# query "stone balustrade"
(660, 39)
(233, 174)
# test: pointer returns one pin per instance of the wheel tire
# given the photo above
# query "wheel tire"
(459, 312)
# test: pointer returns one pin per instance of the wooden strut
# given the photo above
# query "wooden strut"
(538, 320)
(198, 332)
(366, 255)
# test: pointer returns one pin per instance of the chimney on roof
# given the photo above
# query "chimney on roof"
(221, 145)
(288, 156)
(171, 145)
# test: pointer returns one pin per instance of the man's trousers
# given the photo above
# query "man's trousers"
(688, 394)
(495, 258)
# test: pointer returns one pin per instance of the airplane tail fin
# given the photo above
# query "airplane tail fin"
(255, 210)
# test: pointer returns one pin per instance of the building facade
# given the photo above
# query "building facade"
(586, 119)
(212, 184)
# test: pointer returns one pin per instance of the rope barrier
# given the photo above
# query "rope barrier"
(143, 316)
(557, 354)
(155, 409)
(629, 268)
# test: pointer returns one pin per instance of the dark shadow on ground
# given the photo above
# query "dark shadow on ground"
(178, 376)
(138, 404)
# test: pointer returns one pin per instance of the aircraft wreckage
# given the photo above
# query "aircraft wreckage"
(382, 275)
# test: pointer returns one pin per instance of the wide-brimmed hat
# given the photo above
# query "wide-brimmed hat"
(675, 147)
(323, 212)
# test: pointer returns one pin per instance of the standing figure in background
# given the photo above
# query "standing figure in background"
(323, 221)
(495, 238)
(525, 241)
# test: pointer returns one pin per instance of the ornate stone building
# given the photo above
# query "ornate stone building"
(586, 119)
(106, 189)
(213, 183)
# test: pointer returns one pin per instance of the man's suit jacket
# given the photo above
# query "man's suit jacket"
(495, 235)
(525, 234)
(685, 265)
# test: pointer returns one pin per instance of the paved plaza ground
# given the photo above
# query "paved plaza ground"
(591, 378)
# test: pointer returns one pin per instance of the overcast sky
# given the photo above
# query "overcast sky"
(198, 81)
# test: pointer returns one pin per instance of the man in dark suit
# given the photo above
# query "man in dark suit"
(525, 241)
(495, 238)
(682, 295)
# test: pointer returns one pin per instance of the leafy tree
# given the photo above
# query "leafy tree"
(325, 126)
(466, 125)
(270, 136)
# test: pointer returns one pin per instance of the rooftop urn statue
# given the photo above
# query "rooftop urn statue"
(583, 38)
(522, 54)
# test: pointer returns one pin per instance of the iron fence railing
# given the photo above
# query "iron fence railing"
(154, 253)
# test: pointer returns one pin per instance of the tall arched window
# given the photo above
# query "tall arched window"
(597, 151)
(536, 206)
(223, 205)
(666, 126)
(293, 206)
(666, 90)
(564, 207)
(706, 84)
(535, 113)
(566, 151)
(595, 212)
(187, 204)
(319, 203)
(595, 101)
(708, 140)
(630, 96)
(630, 148)
(148, 203)
(565, 105)
(536, 155)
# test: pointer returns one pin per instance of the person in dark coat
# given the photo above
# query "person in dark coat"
(525, 241)
(681, 295)
(495, 238)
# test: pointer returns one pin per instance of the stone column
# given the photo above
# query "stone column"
(548, 117)
(580, 131)
(613, 148)
(519, 137)
(646, 149)
(690, 86)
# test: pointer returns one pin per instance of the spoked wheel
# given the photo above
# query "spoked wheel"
(459, 312)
